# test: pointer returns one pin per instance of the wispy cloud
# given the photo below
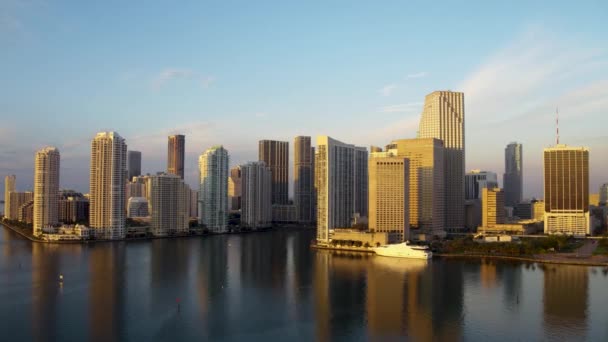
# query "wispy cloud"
(417, 75)
(387, 90)
(171, 74)
(401, 108)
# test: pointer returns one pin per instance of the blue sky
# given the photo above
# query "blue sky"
(234, 72)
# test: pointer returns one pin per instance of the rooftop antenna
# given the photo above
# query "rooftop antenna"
(557, 125)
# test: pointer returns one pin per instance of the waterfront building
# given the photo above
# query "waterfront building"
(389, 194)
(46, 189)
(256, 210)
(18, 199)
(284, 213)
(175, 155)
(443, 118)
(9, 186)
(107, 186)
(136, 188)
(566, 183)
(193, 203)
(476, 180)
(603, 194)
(137, 207)
(276, 156)
(133, 164)
(169, 205)
(493, 207)
(538, 210)
(472, 214)
(426, 187)
(73, 207)
(523, 210)
(26, 213)
(338, 184)
(235, 189)
(303, 179)
(213, 191)
(594, 200)
(513, 176)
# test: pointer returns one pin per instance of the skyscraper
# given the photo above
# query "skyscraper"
(476, 180)
(213, 191)
(107, 186)
(389, 194)
(9, 186)
(566, 174)
(276, 156)
(18, 199)
(426, 187)
(337, 183)
(443, 118)
(175, 155)
(256, 211)
(513, 177)
(604, 194)
(169, 203)
(133, 164)
(46, 189)
(493, 207)
(303, 179)
(235, 188)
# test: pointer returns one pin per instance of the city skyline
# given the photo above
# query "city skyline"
(335, 78)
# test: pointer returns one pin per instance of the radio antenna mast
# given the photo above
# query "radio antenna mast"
(557, 125)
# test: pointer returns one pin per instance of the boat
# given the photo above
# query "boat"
(404, 250)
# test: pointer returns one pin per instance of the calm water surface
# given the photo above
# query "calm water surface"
(271, 286)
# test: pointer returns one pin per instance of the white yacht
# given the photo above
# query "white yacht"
(404, 250)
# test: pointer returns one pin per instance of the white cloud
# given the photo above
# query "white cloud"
(418, 75)
(387, 90)
(402, 108)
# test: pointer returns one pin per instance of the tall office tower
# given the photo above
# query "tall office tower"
(107, 186)
(337, 183)
(193, 203)
(9, 186)
(361, 181)
(303, 179)
(46, 189)
(256, 211)
(604, 194)
(169, 205)
(566, 171)
(389, 194)
(17, 199)
(476, 180)
(443, 118)
(133, 164)
(276, 156)
(213, 192)
(513, 179)
(234, 188)
(175, 155)
(493, 207)
(426, 187)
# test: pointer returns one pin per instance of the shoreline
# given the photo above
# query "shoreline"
(558, 261)
(34, 239)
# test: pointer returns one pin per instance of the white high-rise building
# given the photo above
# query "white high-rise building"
(339, 181)
(477, 180)
(107, 186)
(213, 191)
(256, 200)
(46, 189)
(443, 118)
(9, 186)
(137, 207)
(566, 175)
(169, 205)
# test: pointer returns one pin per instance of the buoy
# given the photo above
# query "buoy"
(61, 278)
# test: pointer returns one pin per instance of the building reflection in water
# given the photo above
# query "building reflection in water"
(46, 290)
(566, 291)
(106, 291)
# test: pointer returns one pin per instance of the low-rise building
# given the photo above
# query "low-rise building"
(345, 236)
(137, 207)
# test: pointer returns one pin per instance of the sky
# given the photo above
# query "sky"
(235, 72)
